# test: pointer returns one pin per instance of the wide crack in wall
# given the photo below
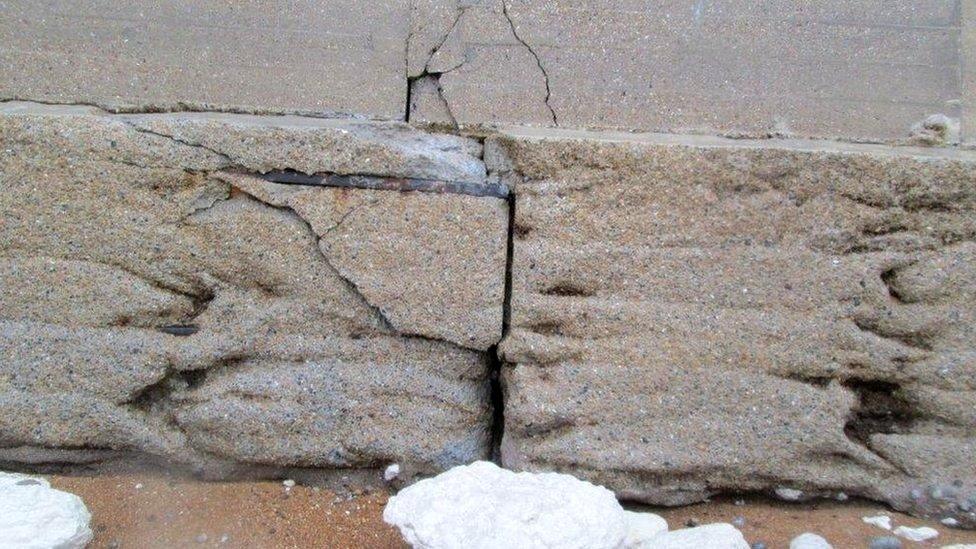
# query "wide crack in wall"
(673, 317)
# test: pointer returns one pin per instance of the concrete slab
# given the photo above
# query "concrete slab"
(865, 70)
(313, 56)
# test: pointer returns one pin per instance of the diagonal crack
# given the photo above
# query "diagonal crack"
(227, 160)
(443, 40)
(538, 60)
(383, 320)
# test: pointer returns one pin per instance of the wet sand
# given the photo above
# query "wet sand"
(158, 511)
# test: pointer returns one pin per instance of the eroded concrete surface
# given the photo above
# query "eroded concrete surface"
(160, 298)
(696, 316)
(862, 70)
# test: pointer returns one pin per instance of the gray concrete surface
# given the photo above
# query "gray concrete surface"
(319, 56)
(968, 59)
(863, 69)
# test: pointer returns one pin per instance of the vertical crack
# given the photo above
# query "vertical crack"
(494, 359)
(538, 61)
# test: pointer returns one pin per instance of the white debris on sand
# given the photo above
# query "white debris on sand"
(809, 541)
(950, 522)
(922, 533)
(714, 536)
(641, 527)
(289, 483)
(391, 472)
(34, 516)
(960, 546)
(788, 494)
(483, 506)
(881, 521)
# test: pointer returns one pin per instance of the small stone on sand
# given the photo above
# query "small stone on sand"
(922, 533)
(881, 521)
(809, 541)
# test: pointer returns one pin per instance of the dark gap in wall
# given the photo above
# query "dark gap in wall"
(881, 408)
(373, 182)
(494, 359)
(406, 109)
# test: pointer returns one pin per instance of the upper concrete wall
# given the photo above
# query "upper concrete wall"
(322, 56)
(860, 69)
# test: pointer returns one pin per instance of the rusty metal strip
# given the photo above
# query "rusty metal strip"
(405, 184)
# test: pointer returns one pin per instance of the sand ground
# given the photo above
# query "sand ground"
(154, 510)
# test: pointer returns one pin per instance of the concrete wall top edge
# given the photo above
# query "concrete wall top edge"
(712, 141)
(858, 71)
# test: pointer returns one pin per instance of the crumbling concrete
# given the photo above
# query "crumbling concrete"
(160, 297)
(692, 316)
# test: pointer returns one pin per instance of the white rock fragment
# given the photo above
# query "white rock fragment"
(950, 522)
(391, 472)
(809, 541)
(881, 521)
(713, 536)
(641, 527)
(483, 506)
(788, 494)
(289, 483)
(960, 546)
(922, 533)
(35, 516)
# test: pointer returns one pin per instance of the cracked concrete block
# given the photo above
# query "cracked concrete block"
(854, 70)
(480, 65)
(310, 57)
(394, 248)
(160, 297)
(692, 316)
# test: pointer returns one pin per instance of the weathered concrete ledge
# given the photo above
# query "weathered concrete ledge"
(683, 316)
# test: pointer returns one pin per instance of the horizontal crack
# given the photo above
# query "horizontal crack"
(289, 177)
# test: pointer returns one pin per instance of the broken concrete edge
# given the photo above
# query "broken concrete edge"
(262, 144)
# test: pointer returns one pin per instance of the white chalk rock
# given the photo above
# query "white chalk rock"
(809, 541)
(713, 536)
(35, 516)
(483, 506)
(788, 494)
(921, 533)
(641, 528)
(881, 521)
